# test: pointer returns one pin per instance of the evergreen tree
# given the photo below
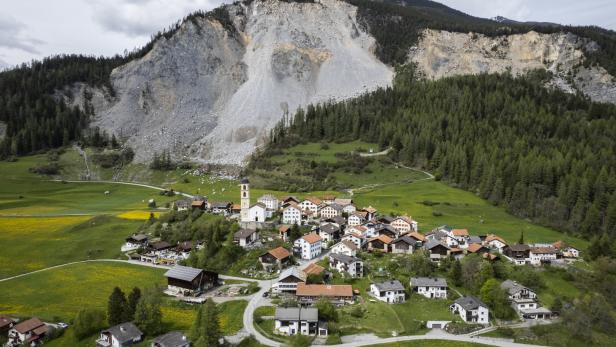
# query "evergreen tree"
(116, 307)
(133, 300)
(521, 239)
(455, 273)
(148, 314)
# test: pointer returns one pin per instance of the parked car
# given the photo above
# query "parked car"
(63, 325)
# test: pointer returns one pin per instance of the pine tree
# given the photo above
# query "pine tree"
(521, 239)
(455, 273)
(207, 326)
(133, 300)
(116, 307)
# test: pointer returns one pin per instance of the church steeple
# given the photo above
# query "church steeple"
(245, 200)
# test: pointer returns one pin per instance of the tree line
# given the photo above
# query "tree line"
(542, 154)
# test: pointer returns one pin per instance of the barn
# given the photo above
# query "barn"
(188, 281)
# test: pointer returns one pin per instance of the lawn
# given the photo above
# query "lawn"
(232, 316)
(33, 243)
(432, 343)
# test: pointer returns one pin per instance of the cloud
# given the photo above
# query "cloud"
(135, 18)
(13, 35)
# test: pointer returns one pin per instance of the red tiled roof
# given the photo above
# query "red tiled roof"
(325, 290)
(28, 325)
(312, 238)
(417, 236)
(279, 253)
(383, 238)
(313, 268)
(459, 232)
(492, 237)
(474, 247)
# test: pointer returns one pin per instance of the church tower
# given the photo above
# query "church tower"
(245, 200)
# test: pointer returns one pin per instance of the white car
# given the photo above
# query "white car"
(63, 325)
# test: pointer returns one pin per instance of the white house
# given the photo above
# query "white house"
(298, 320)
(349, 209)
(495, 242)
(404, 224)
(245, 237)
(121, 335)
(308, 246)
(134, 242)
(288, 280)
(270, 201)
(329, 232)
(391, 292)
(357, 239)
(311, 204)
(430, 287)
(538, 255)
(331, 211)
(257, 212)
(350, 265)
(355, 219)
(524, 301)
(566, 250)
(471, 310)
(292, 214)
(345, 247)
(32, 330)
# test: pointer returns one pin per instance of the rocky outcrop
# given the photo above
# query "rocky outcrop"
(212, 94)
(441, 53)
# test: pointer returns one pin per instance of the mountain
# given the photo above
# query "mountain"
(212, 87)
(506, 20)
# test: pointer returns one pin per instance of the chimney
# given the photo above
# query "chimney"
(122, 329)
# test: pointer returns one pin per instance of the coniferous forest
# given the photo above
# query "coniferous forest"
(543, 154)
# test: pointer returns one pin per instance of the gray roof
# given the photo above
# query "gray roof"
(512, 287)
(297, 314)
(125, 332)
(389, 285)
(474, 239)
(469, 302)
(335, 207)
(218, 204)
(433, 243)
(172, 339)
(343, 258)
(405, 239)
(183, 273)
(329, 228)
(138, 237)
(293, 271)
(243, 233)
(182, 203)
(244, 181)
(428, 282)
(519, 248)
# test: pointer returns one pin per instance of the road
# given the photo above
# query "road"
(125, 183)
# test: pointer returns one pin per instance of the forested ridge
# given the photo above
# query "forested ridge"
(543, 154)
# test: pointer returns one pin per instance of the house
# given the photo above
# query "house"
(278, 257)
(566, 250)
(30, 331)
(343, 201)
(495, 242)
(355, 219)
(314, 269)
(471, 310)
(298, 320)
(391, 292)
(524, 301)
(430, 287)
(437, 250)
(134, 242)
(245, 237)
(461, 236)
(329, 232)
(338, 220)
(542, 254)
(236, 209)
(357, 239)
(349, 209)
(336, 293)
(345, 247)
(270, 201)
(328, 199)
(223, 207)
(476, 248)
(182, 205)
(311, 204)
(283, 231)
(292, 214)
(388, 230)
(380, 243)
(404, 224)
(519, 254)
(371, 212)
(290, 200)
(403, 244)
(6, 323)
(184, 280)
(198, 205)
(330, 211)
(171, 339)
(121, 335)
(347, 264)
(288, 280)
(308, 246)
(257, 213)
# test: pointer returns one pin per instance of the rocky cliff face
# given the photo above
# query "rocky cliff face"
(212, 94)
(441, 53)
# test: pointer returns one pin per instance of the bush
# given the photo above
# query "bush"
(505, 332)
(437, 213)
(49, 169)
(324, 146)
(87, 322)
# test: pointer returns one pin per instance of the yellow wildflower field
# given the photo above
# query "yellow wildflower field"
(140, 215)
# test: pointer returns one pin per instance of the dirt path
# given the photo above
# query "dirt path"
(126, 183)
(352, 191)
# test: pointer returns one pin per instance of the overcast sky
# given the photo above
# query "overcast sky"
(33, 29)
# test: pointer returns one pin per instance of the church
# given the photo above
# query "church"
(250, 215)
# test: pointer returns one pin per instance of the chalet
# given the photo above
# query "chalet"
(490, 256)
(183, 249)
(270, 202)
(330, 211)
(187, 281)
(350, 265)
(336, 293)
(292, 214)
(542, 254)
(245, 237)
(345, 247)
(171, 339)
(355, 219)
(524, 301)
(565, 250)
(456, 253)
(121, 335)
(404, 224)
(198, 205)
(290, 200)
(476, 248)
(283, 231)
(278, 257)
(371, 212)
(182, 205)
(437, 250)
(134, 242)
(495, 242)
(403, 244)
(308, 246)
(28, 332)
(288, 281)
(519, 254)
(329, 232)
(311, 204)
(391, 292)
(6, 323)
(357, 229)
(471, 310)
(258, 213)
(223, 207)
(298, 320)
(430, 287)
(381, 243)
(357, 239)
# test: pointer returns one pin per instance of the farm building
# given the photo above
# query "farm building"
(187, 280)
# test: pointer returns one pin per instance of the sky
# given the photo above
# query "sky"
(33, 29)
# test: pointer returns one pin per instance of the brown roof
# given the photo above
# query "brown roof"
(28, 325)
(369, 209)
(405, 218)
(236, 207)
(40, 330)
(359, 227)
(350, 244)
(312, 238)
(455, 250)
(459, 232)
(314, 200)
(383, 238)
(490, 256)
(474, 247)
(284, 228)
(197, 203)
(294, 205)
(329, 197)
(326, 290)
(417, 236)
(313, 268)
(279, 253)
(5, 321)
(492, 237)
(559, 244)
(544, 250)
